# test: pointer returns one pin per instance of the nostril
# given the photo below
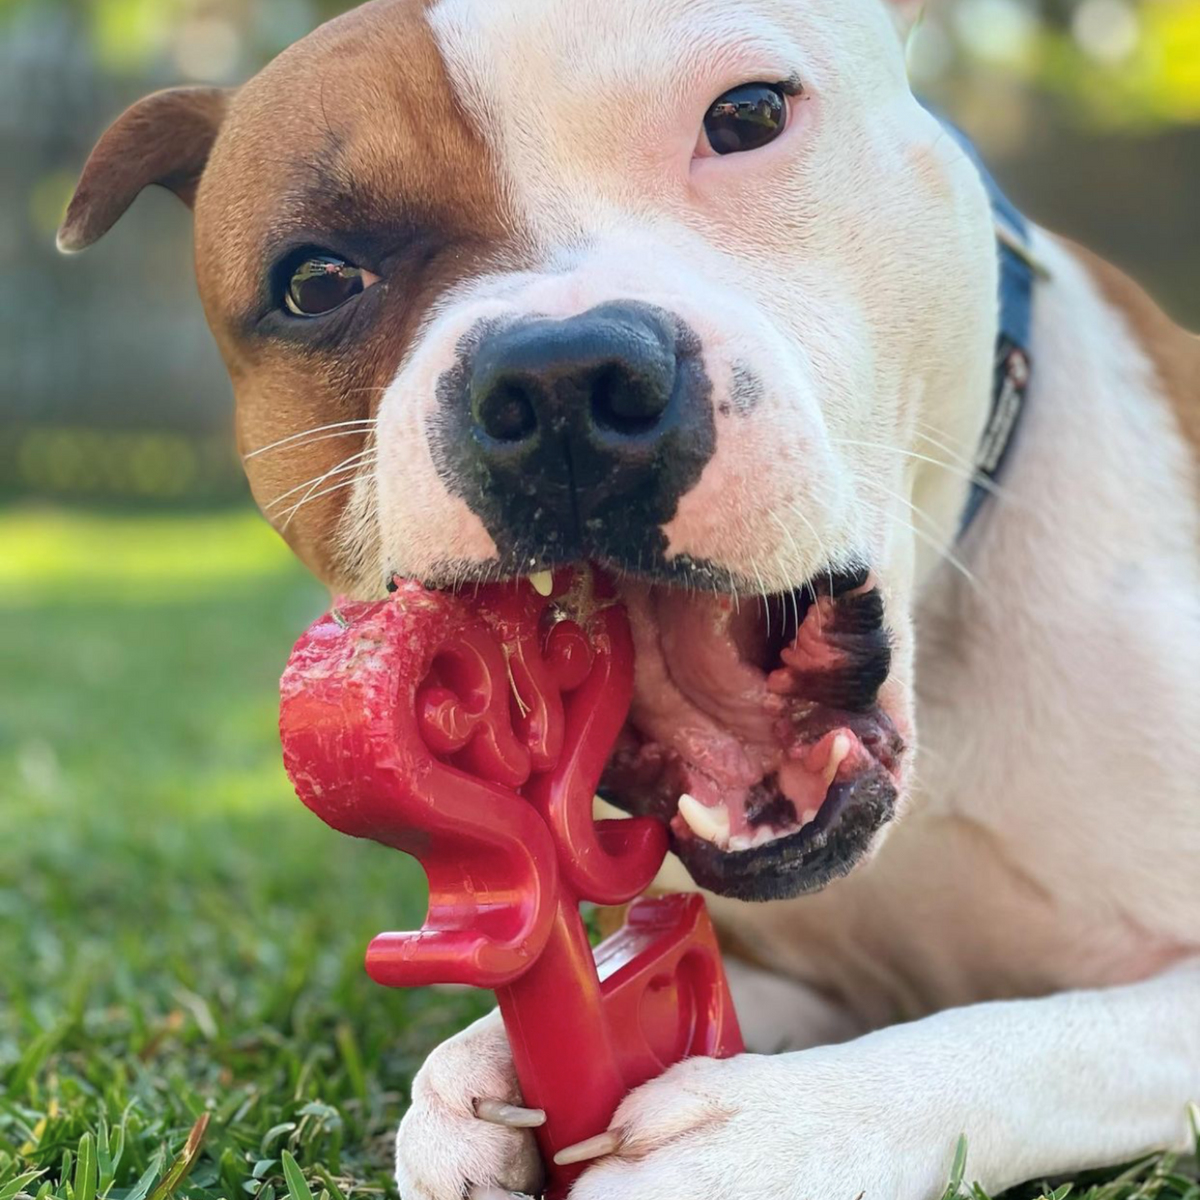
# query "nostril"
(625, 402)
(506, 411)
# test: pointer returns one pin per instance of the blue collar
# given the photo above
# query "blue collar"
(1018, 272)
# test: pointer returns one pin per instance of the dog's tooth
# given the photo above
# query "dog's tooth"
(837, 755)
(808, 817)
(542, 582)
(752, 841)
(711, 824)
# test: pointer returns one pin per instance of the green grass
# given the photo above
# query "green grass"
(183, 1008)
(178, 935)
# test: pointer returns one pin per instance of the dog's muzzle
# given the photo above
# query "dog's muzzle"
(576, 438)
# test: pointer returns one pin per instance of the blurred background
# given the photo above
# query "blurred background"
(179, 940)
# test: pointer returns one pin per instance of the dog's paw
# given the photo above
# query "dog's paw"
(815, 1125)
(444, 1149)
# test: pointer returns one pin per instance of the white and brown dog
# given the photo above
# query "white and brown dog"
(701, 292)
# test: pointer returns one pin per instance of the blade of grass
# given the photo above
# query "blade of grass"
(184, 1162)
(141, 1189)
(957, 1169)
(297, 1185)
(331, 1184)
(13, 1186)
(85, 1168)
(28, 1065)
(347, 1044)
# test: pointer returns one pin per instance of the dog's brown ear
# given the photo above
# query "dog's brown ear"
(164, 139)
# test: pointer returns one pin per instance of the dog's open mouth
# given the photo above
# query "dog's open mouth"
(756, 731)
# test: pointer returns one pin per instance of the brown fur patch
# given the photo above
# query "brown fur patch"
(352, 140)
(1174, 352)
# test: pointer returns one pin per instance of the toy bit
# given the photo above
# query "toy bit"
(471, 733)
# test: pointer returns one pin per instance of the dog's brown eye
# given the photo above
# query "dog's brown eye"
(745, 118)
(322, 283)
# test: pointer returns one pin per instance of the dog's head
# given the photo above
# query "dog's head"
(694, 291)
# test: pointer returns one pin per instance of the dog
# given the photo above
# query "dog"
(703, 294)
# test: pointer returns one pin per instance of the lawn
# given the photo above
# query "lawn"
(180, 940)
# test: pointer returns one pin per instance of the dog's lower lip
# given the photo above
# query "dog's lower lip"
(804, 861)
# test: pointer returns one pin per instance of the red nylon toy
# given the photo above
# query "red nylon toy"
(472, 735)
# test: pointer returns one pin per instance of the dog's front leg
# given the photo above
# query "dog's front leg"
(1039, 1087)
(444, 1151)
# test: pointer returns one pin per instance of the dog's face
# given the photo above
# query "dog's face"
(671, 286)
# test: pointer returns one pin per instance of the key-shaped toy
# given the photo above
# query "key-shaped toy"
(470, 731)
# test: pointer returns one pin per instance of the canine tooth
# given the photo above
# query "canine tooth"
(808, 817)
(837, 756)
(542, 582)
(711, 824)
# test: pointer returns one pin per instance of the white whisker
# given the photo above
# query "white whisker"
(796, 512)
(291, 512)
(971, 476)
(943, 550)
(345, 465)
(787, 533)
(926, 431)
(361, 426)
(763, 595)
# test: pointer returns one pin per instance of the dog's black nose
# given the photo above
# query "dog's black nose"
(578, 437)
(604, 379)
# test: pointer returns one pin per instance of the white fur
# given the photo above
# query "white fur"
(1052, 845)
(800, 260)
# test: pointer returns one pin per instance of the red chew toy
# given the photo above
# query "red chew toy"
(471, 733)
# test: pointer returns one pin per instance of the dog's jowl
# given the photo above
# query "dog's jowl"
(701, 293)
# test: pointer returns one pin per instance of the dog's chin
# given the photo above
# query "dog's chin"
(757, 731)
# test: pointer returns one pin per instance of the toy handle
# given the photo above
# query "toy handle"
(651, 995)
(564, 1053)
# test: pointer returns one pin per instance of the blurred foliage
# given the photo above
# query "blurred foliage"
(144, 464)
(1118, 63)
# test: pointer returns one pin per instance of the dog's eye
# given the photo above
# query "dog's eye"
(746, 118)
(321, 283)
